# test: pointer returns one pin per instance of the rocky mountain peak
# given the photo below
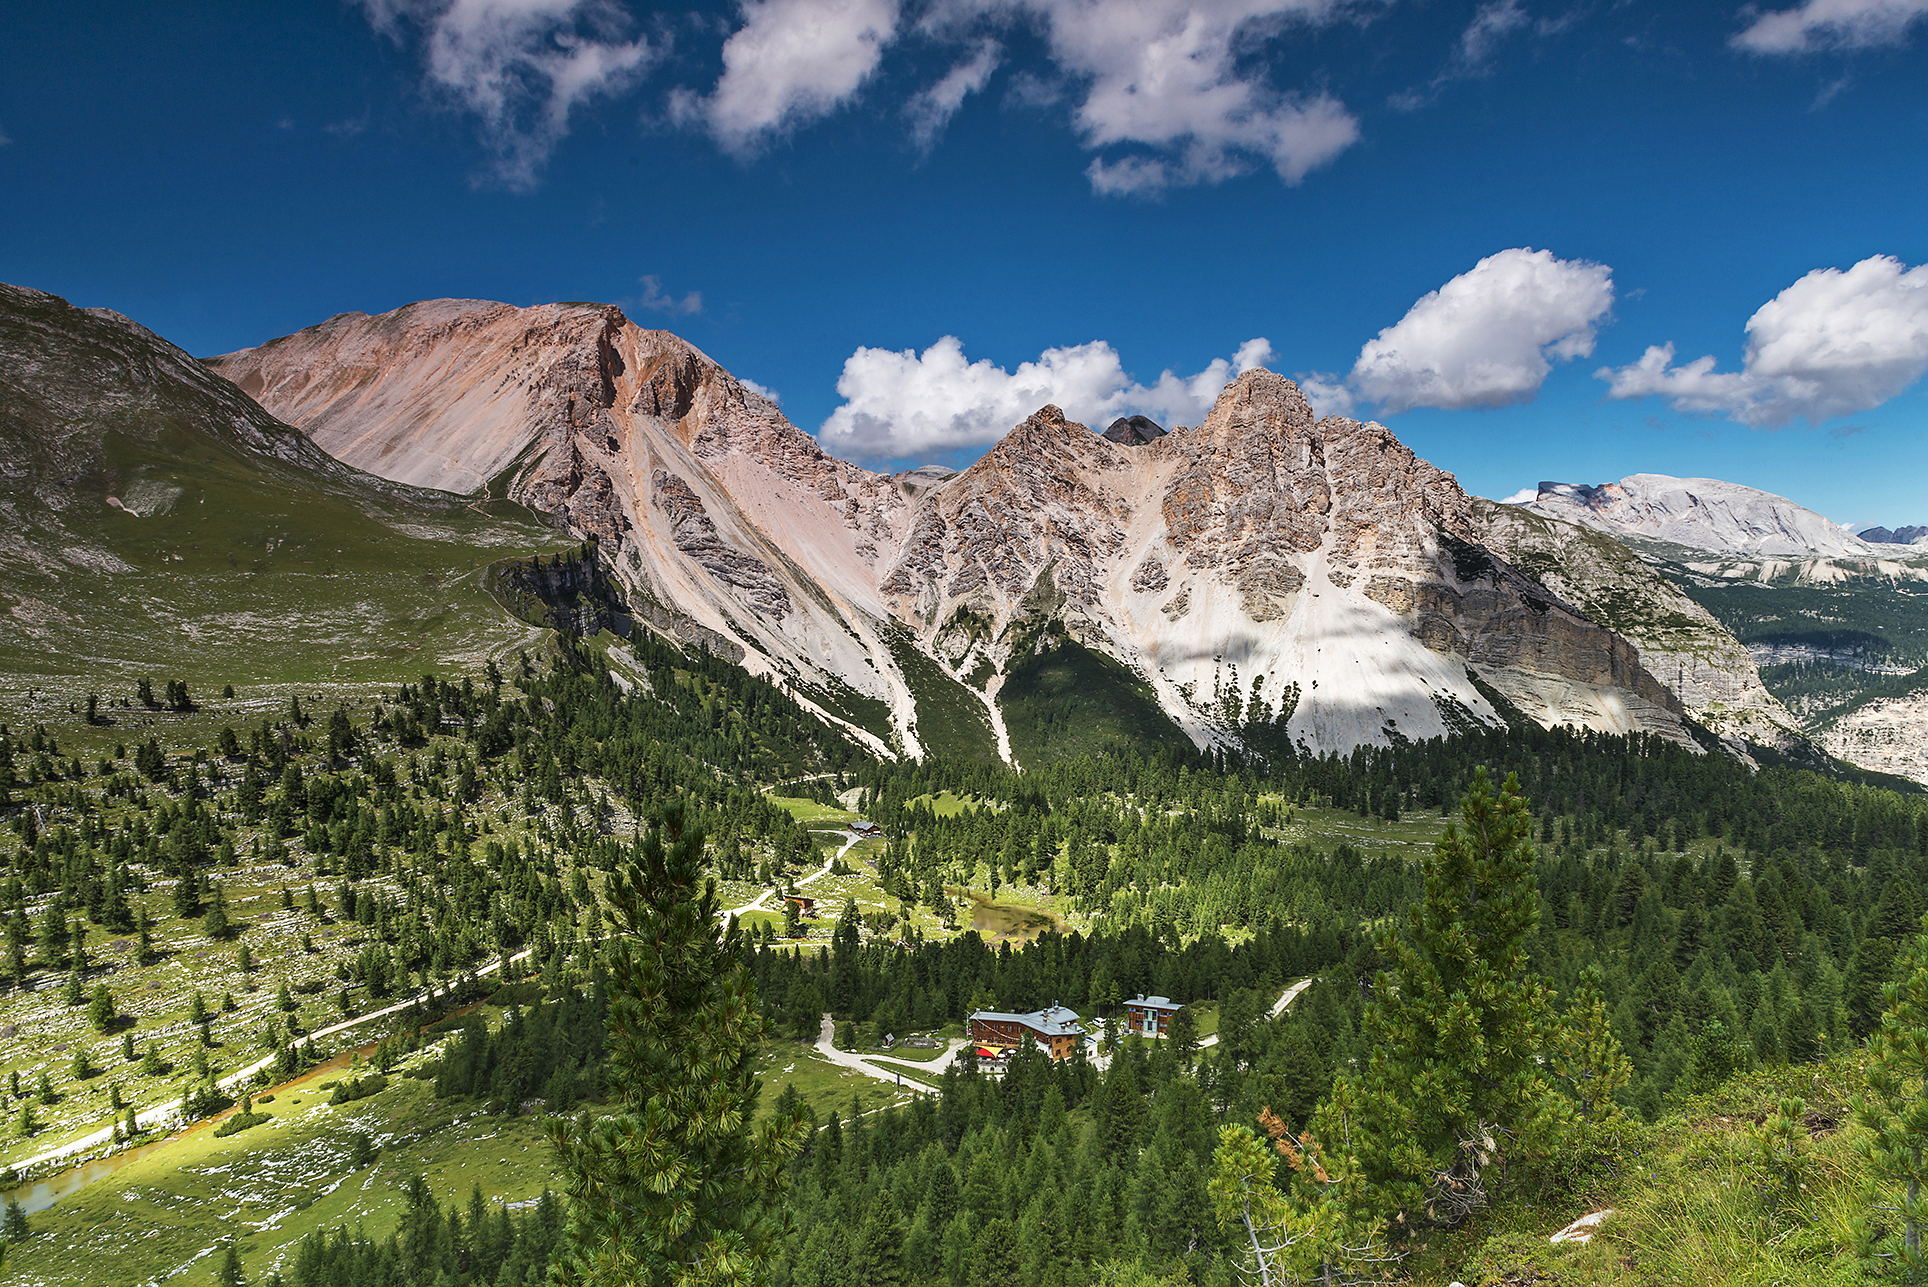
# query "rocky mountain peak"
(1133, 431)
(1259, 401)
(1912, 535)
(1319, 561)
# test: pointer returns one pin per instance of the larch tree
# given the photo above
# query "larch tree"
(680, 1185)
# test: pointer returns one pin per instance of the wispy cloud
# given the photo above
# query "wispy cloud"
(1478, 48)
(931, 109)
(656, 299)
(1818, 25)
(520, 67)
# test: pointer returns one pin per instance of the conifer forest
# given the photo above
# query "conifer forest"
(1429, 1002)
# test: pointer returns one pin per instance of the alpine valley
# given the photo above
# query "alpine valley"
(483, 795)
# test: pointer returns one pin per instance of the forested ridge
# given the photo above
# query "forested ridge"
(1723, 919)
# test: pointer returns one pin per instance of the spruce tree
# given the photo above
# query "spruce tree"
(1457, 1026)
(880, 1246)
(679, 1185)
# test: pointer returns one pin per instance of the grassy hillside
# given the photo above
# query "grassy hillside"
(236, 574)
(159, 523)
(1697, 1198)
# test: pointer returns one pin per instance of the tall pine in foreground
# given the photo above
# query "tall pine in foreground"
(681, 1185)
(1457, 1026)
(1895, 1111)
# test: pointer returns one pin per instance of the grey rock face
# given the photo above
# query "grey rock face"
(1134, 431)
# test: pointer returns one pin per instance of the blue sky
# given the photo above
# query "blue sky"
(1478, 222)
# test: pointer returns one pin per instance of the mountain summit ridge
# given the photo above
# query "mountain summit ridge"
(1265, 574)
(1701, 513)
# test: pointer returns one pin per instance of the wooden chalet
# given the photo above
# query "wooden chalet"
(1150, 1016)
(1055, 1029)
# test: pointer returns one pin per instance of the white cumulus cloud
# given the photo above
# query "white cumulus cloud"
(520, 66)
(1832, 344)
(1165, 75)
(791, 62)
(1830, 24)
(903, 404)
(1327, 394)
(1488, 337)
(1171, 92)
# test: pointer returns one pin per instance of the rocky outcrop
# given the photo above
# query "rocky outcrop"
(1887, 734)
(1680, 642)
(1133, 431)
(568, 591)
(695, 535)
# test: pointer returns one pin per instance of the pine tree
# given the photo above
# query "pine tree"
(680, 1185)
(215, 922)
(1457, 1026)
(1895, 1110)
(1327, 1230)
(1587, 1055)
(230, 1274)
(1873, 967)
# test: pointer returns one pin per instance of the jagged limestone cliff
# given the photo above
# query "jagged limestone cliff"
(1266, 576)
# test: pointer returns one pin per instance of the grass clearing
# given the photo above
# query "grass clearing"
(825, 1086)
(812, 812)
(269, 1186)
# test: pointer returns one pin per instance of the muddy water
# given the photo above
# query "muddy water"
(42, 1194)
(1005, 923)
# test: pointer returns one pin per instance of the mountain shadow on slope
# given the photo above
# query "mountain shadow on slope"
(1070, 701)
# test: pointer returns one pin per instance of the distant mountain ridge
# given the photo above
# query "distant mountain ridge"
(1700, 513)
(1899, 536)
(1267, 577)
